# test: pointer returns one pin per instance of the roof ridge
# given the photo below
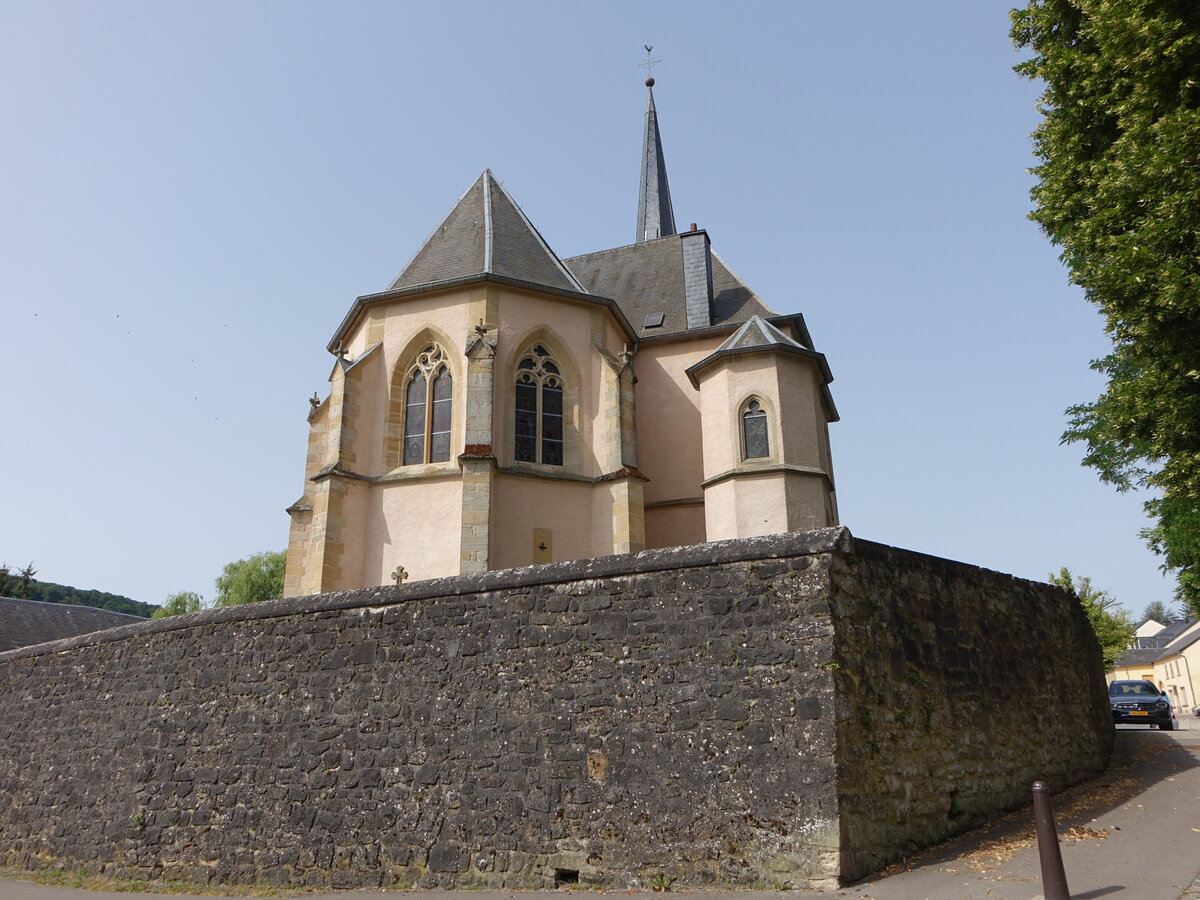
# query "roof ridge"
(570, 276)
(768, 335)
(628, 246)
(742, 281)
(489, 233)
(433, 233)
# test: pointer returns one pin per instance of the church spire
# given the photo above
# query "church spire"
(656, 218)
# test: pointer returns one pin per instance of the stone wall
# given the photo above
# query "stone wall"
(957, 689)
(792, 709)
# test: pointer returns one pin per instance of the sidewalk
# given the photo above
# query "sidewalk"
(1133, 834)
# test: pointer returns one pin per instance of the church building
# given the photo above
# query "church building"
(497, 406)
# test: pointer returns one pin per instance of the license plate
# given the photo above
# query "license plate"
(1136, 713)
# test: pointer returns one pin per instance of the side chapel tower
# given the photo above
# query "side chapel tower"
(497, 406)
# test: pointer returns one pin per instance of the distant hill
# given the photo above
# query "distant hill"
(48, 592)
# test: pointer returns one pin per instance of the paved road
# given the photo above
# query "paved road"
(1138, 831)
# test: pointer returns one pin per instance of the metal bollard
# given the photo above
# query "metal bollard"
(1054, 879)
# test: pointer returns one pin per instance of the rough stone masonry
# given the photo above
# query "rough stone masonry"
(798, 709)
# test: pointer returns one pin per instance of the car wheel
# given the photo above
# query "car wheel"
(1166, 726)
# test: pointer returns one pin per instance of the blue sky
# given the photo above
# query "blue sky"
(195, 192)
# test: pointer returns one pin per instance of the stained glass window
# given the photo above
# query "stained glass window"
(439, 429)
(754, 431)
(428, 401)
(539, 409)
(527, 398)
(414, 420)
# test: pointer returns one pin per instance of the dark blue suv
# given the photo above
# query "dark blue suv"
(1139, 703)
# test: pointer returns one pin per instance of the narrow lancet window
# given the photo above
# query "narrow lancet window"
(428, 400)
(754, 431)
(539, 409)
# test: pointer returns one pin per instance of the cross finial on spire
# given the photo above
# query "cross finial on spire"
(648, 65)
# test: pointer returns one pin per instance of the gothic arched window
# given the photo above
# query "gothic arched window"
(754, 431)
(428, 394)
(539, 408)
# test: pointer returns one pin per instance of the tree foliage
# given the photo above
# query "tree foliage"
(177, 604)
(18, 584)
(1119, 192)
(251, 580)
(1159, 612)
(1112, 625)
(23, 585)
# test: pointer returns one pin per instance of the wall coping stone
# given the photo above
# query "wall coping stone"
(929, 563)
(773, 546)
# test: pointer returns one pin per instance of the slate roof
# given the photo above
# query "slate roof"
(656, 216)
(487, 236)
(756, 335)
(1139, 657)
(757, 332)
(24, 622)
(1166, 634)
(1174, 643)
(486, 233)
(647, 278)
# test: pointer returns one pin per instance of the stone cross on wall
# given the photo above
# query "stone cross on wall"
(399, 575)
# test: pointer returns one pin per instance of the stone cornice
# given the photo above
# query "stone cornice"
(766, 470)
(366, 300)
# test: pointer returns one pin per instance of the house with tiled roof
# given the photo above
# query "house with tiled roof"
(498, 406)
(1169, 657)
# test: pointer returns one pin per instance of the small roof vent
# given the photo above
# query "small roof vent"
(654, 320)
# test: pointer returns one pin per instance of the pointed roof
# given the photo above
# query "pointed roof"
(757, 332)
(486, 233)
(656, 218)
(757, 335)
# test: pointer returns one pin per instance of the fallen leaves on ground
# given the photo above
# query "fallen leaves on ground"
(1109, 791)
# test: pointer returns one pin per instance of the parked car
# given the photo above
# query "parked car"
(1140, 703)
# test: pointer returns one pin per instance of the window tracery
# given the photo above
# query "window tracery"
(539, 408)
(428, 399)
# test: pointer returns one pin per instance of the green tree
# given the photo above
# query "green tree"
(250, 580)
(1118, 191)
(24, 582)
(1112, 625)
(1159, 612)
(177, 604)
(49, 592)
(17, 584)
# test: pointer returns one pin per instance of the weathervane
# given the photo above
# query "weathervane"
(648, 65)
